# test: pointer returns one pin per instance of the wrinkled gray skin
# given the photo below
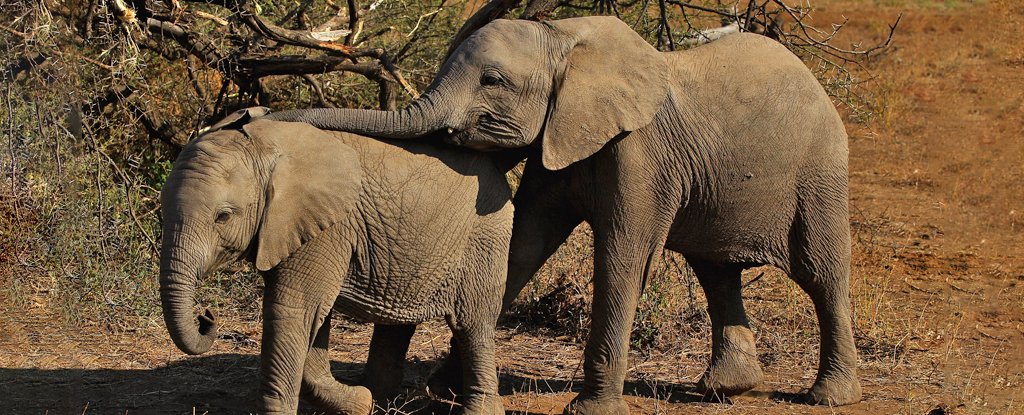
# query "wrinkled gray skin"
(730, 153)
(393, 233)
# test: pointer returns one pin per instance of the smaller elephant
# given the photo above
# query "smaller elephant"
(394, 233)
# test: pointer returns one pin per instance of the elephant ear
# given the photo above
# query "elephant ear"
(613, 81)
(236, 119)
(315, 181)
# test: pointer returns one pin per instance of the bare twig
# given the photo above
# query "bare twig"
(353, 22)
(420, 20)
(58, 52)
(153, 245)
(87, 22)
(293, 37)
(393, 71)
(321, 98)
(216, 19)
(258, 67)
(664, 30)
(710, 35)
(540, 9)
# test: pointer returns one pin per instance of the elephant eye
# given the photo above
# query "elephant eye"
(223, 216)
(490, 79)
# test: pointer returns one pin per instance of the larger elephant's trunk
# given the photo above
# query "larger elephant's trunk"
(179, 275)
(431, 112)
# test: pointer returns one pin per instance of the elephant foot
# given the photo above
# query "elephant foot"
(591, 406)
(735, 368)
(836, 391)
(344, 399)
(359, 402)
(729, 380)
(483, 405)
(383, 386)
(445, 381)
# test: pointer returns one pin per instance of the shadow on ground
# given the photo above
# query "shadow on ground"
(226, 384)
(671, 392)
(218, 384)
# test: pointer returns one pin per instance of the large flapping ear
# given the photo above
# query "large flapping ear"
(315, 182)
(613, 81)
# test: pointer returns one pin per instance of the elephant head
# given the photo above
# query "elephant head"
(259, 194)
(574, 84)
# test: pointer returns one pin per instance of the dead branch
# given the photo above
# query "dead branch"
(540, 9)
(710, 35)
(354, 22)
(167, 32)
(58, 52)
(157, 127)
(317, 89)
(664, 30)
(312, 40)
(258, 67)
(99, 105)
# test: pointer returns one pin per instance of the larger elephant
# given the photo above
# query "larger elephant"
(392, 233)
(730, 153)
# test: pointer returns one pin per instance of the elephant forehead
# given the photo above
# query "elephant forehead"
(202, 178)
(215, 155)
(505, 36)
(204, 171)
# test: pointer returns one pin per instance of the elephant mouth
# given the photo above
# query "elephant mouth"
(486, 133)
(465, 138)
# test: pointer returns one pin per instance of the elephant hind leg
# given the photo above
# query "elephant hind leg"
(386, 362)
(321, 389)
(475, 335)
(820, 265)
(734, 367)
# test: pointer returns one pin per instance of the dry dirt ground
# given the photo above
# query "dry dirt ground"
(938, 223)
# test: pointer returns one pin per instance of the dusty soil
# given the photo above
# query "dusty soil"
(938, 221)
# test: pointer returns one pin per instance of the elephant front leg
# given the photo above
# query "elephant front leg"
(620, 266)
(296, 330)
(321, 389)
(286, 340)
(734, 367)
(386, 362)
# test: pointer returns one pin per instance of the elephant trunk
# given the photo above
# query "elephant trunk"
(429, 113)
(178, 279)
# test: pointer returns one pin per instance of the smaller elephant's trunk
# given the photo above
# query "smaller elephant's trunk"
(178, 280)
